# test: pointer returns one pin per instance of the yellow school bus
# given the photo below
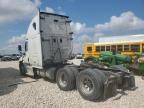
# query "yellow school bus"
(128, 48)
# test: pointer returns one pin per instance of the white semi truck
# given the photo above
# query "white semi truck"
(48, 47)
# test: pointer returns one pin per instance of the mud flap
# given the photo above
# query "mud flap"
(128, 82)
(110, 87)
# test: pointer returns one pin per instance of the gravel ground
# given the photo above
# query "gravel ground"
(31, 93)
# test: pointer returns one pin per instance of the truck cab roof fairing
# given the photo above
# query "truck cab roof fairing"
(54, 14)
(31, 29)
(34, 28)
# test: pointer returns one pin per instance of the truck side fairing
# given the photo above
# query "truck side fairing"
(34, 53)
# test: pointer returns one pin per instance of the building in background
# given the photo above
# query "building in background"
(124, 38)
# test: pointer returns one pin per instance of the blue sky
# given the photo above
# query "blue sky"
(96, 11)
(89, 18)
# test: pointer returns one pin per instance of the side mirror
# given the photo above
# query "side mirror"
(19, 48)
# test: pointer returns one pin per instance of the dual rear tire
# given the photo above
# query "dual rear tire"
(89, 82)
(65, 79)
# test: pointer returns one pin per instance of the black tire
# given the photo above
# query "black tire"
(90, 85)
(74, 70)
(65, 79)
(22, 69)
(101, 75)
(51, 74)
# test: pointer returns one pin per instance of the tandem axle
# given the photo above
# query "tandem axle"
(93, 81)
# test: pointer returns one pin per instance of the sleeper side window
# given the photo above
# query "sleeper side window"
(34, 26)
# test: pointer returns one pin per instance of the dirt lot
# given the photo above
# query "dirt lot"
(25, 92)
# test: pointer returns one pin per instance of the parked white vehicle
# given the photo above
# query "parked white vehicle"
(79, 56)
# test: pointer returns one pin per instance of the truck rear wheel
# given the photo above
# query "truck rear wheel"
(74, 70)
(89, 85)
(65, 79)
(22, 69)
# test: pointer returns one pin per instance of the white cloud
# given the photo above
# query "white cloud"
(49, 10)
(77, 47)
(13, 10)
(78, 28)
(126, 21)
(80, 40)
(84, 35)
(99, 34)
(37, 2)
(12, 44)
(15, 40)
(60, 10)
(86, 39)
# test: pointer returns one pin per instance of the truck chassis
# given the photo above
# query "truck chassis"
(93, 81)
